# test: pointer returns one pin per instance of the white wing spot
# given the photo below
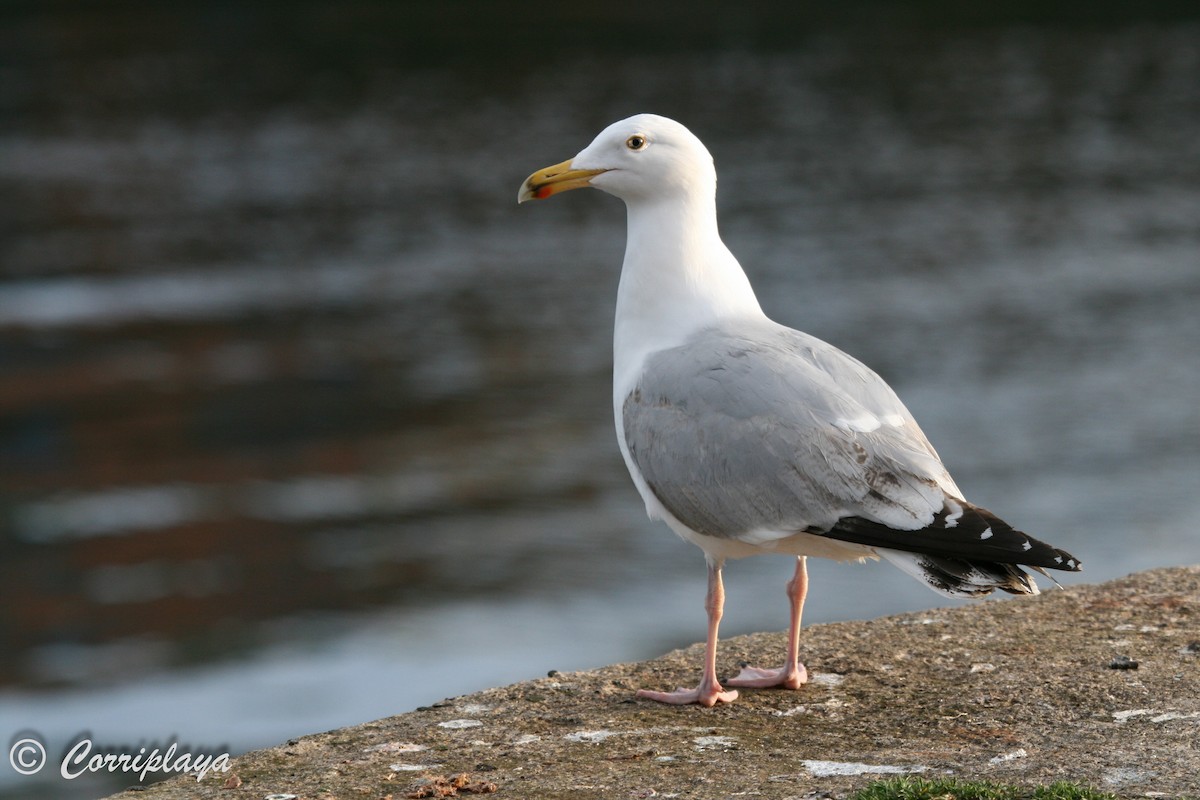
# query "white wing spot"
(864, 423)
(1027, 546)
(956, 511)
(1057, 559)
(987, 534)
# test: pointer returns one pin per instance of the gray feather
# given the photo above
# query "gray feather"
(757, 427)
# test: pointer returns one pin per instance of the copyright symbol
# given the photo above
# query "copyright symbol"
(27, 756)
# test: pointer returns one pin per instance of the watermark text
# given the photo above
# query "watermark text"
(27, 755)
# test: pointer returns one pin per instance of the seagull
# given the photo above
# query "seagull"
(748, 437)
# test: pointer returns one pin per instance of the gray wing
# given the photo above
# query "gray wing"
(758, 429)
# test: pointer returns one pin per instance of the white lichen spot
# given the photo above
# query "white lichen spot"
(1173, 715)
(396, 747)
(527, 738)
(1124, 627)
(409, 767)
(664, 759)
(1013, 756)
(791, 712)
(1119, 775)
(1121, 716)
(987, 534)
(705, 742)
(460, 724)
(982, 667)
(826, 679)
(590, 737)
(826, 769)
(475, 708)
(1148, 629)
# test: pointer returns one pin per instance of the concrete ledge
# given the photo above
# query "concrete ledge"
(1022, 691)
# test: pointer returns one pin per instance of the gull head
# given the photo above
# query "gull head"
(644, 157)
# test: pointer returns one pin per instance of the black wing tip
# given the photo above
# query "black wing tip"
(1069, 562)
(959, 531)
(1034, 552)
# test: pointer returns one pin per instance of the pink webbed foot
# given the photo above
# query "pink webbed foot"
(705, 695)
(759, 678)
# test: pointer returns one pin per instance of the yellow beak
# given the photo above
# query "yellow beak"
(555, 179)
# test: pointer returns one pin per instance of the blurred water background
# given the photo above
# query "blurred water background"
(303, 422)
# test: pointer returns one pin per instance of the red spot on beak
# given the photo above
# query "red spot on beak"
(543, 193)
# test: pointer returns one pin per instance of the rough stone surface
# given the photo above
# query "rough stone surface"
(1023, 691)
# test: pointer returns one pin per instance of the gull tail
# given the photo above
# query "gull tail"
(956, 577)
(966, 551)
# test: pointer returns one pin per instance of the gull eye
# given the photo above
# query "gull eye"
(636, 142)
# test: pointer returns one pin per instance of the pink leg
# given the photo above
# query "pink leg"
(709, 692)
(792, 674)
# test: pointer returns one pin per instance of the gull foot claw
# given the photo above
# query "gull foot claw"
(759, 678)
(703, 695)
